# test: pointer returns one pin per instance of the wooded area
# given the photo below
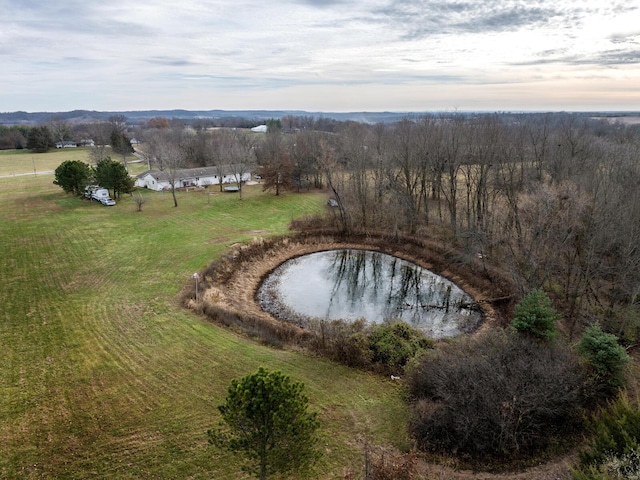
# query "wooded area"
(551, 198)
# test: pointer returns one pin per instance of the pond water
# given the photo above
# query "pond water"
(352, 284)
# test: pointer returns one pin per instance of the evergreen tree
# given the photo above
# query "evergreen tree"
(39, 139)
(113, 175)
(265, 416)
(605, 356)
(535, 316)
(73, 176)
(120, 143)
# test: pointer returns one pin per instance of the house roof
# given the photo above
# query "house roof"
(182, 173)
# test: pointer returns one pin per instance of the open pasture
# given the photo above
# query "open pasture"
(25, 162)
(105, 376)
(21, 162)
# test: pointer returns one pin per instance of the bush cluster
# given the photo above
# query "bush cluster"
(385, 348)
(513, 393)
(495, 396)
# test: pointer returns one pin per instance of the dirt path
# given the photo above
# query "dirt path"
(555, 470)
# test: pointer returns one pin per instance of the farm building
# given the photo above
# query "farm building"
(189, 177)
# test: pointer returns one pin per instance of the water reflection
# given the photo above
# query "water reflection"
(351, 284)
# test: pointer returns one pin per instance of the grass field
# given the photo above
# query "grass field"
(104, 376)
(21, 162)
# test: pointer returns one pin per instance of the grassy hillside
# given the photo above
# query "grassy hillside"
(105, 376)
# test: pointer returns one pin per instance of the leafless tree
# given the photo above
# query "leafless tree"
(140, 200)
(164, 146)
(238, 154)
(100, 133)
(335, 181)
(450, 162)
(305, 154)
(59, 129)
(276, 165)
(118, 123)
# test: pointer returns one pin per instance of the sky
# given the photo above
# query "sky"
(320, 55)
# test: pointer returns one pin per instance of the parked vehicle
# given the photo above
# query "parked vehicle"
(95, 192)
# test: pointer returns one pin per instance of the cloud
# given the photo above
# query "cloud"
(255, 51)
(609, 58)
(419, 19)
(321, 3)
(170, 61)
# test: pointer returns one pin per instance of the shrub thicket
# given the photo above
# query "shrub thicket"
(394, 344)
(385, 348)
(494, 396)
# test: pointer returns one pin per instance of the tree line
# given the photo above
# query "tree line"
(42, 138)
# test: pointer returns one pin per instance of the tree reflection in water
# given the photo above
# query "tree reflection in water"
(350, 284)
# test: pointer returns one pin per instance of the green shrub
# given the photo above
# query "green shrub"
(354, 350)
(605, 357)
(613, 447)
(614, 467)
(394, 344)
(535, 316)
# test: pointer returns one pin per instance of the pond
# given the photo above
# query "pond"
(351, 284)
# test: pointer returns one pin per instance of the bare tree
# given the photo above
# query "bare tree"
(118, 123)
(331, 171)
(451, 161)
(100, 133)
(140, 200)
(276, 166)
(238, 154)
(305, 155)
(59, 129)
(164, 147)
(358, 190)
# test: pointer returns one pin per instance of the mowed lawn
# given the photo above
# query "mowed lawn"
(103, 375)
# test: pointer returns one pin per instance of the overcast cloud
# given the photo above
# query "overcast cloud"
(320, 55)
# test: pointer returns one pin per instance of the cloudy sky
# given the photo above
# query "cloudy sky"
(320, 55)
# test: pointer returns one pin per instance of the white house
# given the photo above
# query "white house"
(66, 144)
(159, 180)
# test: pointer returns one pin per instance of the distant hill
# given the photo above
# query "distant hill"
(133, 116)
(257, 116)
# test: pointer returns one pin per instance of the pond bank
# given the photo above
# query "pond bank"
(231, 283)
